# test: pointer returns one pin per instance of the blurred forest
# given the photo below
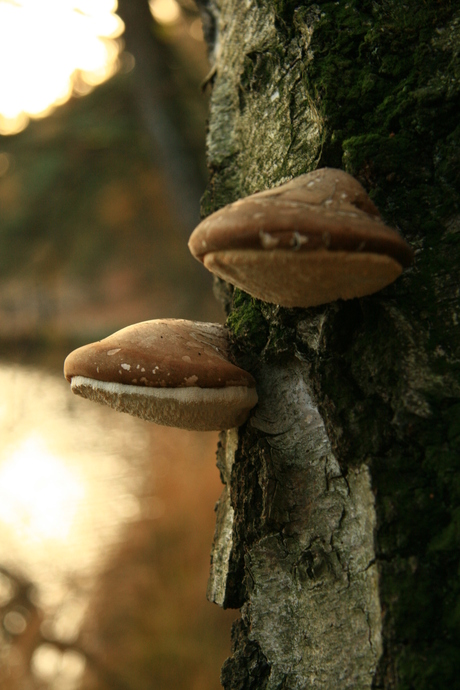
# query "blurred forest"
(92, 224)
(96, 204)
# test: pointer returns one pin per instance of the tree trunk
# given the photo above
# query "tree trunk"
(339, 526)
(156, 103)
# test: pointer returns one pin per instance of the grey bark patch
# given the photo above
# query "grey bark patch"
(314, 602)
(312, 586)
(223, 541)
(259, 80)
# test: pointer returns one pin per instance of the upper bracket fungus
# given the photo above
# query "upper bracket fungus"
(313, 240)
(169, 371)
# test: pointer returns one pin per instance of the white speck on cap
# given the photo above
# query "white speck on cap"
(267, 241)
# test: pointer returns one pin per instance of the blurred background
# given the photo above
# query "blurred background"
(106, 522)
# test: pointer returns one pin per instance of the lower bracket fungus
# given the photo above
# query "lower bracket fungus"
(169, 371)
(313, 240)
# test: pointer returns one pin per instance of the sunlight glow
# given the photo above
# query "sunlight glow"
(49, 663)
(39, 495)
(165, 11)
(49, 46)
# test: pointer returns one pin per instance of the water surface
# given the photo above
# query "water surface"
(111, 520)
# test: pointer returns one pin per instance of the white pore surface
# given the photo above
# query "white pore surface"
(205, 409)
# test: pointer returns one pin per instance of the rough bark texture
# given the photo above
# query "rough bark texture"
(338, 529)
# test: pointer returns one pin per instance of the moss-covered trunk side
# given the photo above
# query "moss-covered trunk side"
(373, 88)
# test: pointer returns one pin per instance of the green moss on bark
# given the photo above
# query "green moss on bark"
(261, 330)
(386, 76)
(387, 82)
(246, 322)
(419, 539)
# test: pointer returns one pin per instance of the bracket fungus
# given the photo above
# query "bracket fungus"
(313, 240)
(169, 371)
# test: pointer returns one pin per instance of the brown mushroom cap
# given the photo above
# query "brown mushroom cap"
(168, 371)
(313, 240)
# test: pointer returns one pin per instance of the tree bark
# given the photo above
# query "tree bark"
(338, 528)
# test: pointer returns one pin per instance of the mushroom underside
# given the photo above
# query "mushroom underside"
(303, 279)
(203, 409)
